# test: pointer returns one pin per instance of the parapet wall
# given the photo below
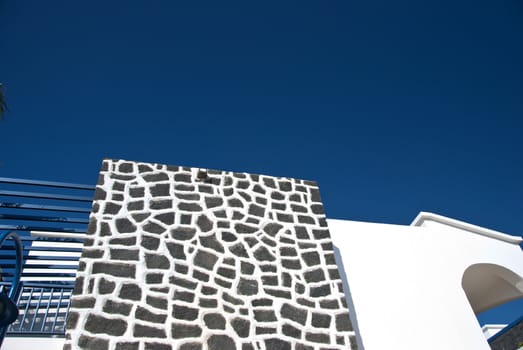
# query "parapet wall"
(174, 260)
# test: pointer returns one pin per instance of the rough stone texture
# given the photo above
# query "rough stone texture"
(231, 261)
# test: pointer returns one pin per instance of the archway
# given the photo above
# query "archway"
(490, 285)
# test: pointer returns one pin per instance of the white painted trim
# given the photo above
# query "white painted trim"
(425, 216)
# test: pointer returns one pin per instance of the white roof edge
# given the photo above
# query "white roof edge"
(488, 325)
(423, 216)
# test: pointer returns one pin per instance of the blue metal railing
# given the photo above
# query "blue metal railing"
(50, 218)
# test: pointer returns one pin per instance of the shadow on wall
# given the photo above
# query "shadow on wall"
(348, 296)
(490, 285)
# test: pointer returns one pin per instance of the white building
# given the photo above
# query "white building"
(420, 286)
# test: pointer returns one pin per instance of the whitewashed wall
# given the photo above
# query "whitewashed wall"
(405, 282)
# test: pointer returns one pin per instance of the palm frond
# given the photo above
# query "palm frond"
(3, 102)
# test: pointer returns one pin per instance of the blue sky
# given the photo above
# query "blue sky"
(393, 107)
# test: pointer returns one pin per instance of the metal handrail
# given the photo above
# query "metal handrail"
(15, 284)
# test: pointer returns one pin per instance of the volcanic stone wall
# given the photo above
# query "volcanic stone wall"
(182, 259)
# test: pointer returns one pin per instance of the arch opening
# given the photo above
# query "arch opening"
(489, 285)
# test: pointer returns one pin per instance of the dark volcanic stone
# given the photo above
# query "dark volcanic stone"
(191, 346)
(277, 344)
(208, 303)
(318, 337)
(293, 313)
(92, 253)
(115, 307)
(277, 195)
(272, 229)
(123, 240)
(136, 192)
(314, 276)
(166, 218)
(187, 206)
(130, 291)
(209, 290)
(72, 320)
(303, 219)
(91, 343)
(200, 276)
(157, 204)
(291, 331)
(235, 203)
(288, 251)
(180, 330)
(247, 268)
(181, 312)
(127, 346)
(278, 293)
(148, 332)
(256, 210)
(321, 320)
(263, 254)
(298, 208)
(239, 250)
(183, 296)
(150, 243)
(220, 342)
(127, 167)
(146, 315)
(125, 226)
(105, 286)
(182, 177)
(182, 283)
(241, 327)
(115, 269)
(176, 250)
(269, 182)
(320, 291)
(284, 217)
(123, 254)
(152, 227)
(205, 259)
(214, 321)
(183, 233)
(154, 278)
(329, 304)
(112, 208)
(247, 287)
(229, 237)
(265, 330)
(264, 315)
(204, 223)
(262, 302)
(230, 299)
(211, 242)
(293, 264)
(242, 228)
(139, 217)
(343, 322)
(212, 202)
(156, 177)
(226, 272)
(156, 302)
(157, 346)
(111, 326)
(153, 261)
(311, 258)
(159, 190)
(303, 347)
